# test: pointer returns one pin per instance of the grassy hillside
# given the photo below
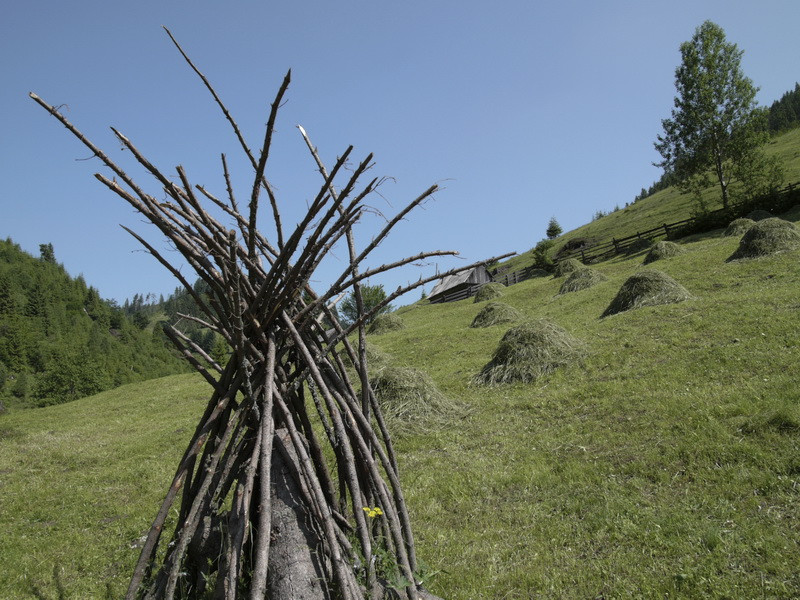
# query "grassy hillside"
(667, 464)
(666, 206)
(80, 483)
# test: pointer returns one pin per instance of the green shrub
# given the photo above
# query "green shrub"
(541, 255)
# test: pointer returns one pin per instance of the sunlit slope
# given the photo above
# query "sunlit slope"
(81, 482)
(666, 464)
(666, 206)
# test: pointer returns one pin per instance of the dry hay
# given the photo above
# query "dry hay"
(647, 288)
(567, 266)
(490, 291)
(662, 250)
(529, 351)
(738, 227)
(376, 359)
(580, 243)
(581, 279)
(759, 215)
(767, 237)
(385, 323)
(638, 245)
(410, 401)
(495, 313)
(538, 273)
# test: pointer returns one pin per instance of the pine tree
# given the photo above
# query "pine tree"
(47, 254)
(553, 229)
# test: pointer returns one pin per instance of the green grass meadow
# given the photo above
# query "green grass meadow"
(81, 482)
(666, 464)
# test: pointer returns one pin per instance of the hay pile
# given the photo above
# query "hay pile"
(385, 323)
(638, 245)
(529, 351)
(662, 250)
(647, 288)
(410, 400)
(767, 237)
(490, 291)
(738, 227)
(759, 215)
(582, 279)
(567, 266)
(376, 359)
(495, 313)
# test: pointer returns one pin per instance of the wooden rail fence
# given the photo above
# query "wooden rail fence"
(782, 200)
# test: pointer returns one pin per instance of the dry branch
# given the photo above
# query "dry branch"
(255, 443)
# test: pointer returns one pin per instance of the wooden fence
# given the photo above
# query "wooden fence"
(517, 276)
(460, 294)
(782, 200)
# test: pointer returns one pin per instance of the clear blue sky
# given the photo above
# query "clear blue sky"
(521, 110)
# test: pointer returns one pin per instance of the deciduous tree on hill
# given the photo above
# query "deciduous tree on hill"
(372, 296)
(716, 131)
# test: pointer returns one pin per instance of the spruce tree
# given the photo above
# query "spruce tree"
(553, 229)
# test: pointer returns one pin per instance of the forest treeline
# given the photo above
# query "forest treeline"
(144, 309)
(59, 340)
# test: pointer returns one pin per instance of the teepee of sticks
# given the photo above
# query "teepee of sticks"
(289, 487)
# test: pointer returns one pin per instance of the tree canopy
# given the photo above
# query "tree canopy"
(59, 340)
(372, 296)
(716, 130)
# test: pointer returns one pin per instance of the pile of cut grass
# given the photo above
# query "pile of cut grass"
(385, 323)
(411, 402)
(738, 227)
(767, 237)
(581, 279)
(376, 358)
(662, 250)
(759, 215)
(567, 266)
(490, 291)
(646, 288)
(529, 351)
(495, 313)
(638, 245)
